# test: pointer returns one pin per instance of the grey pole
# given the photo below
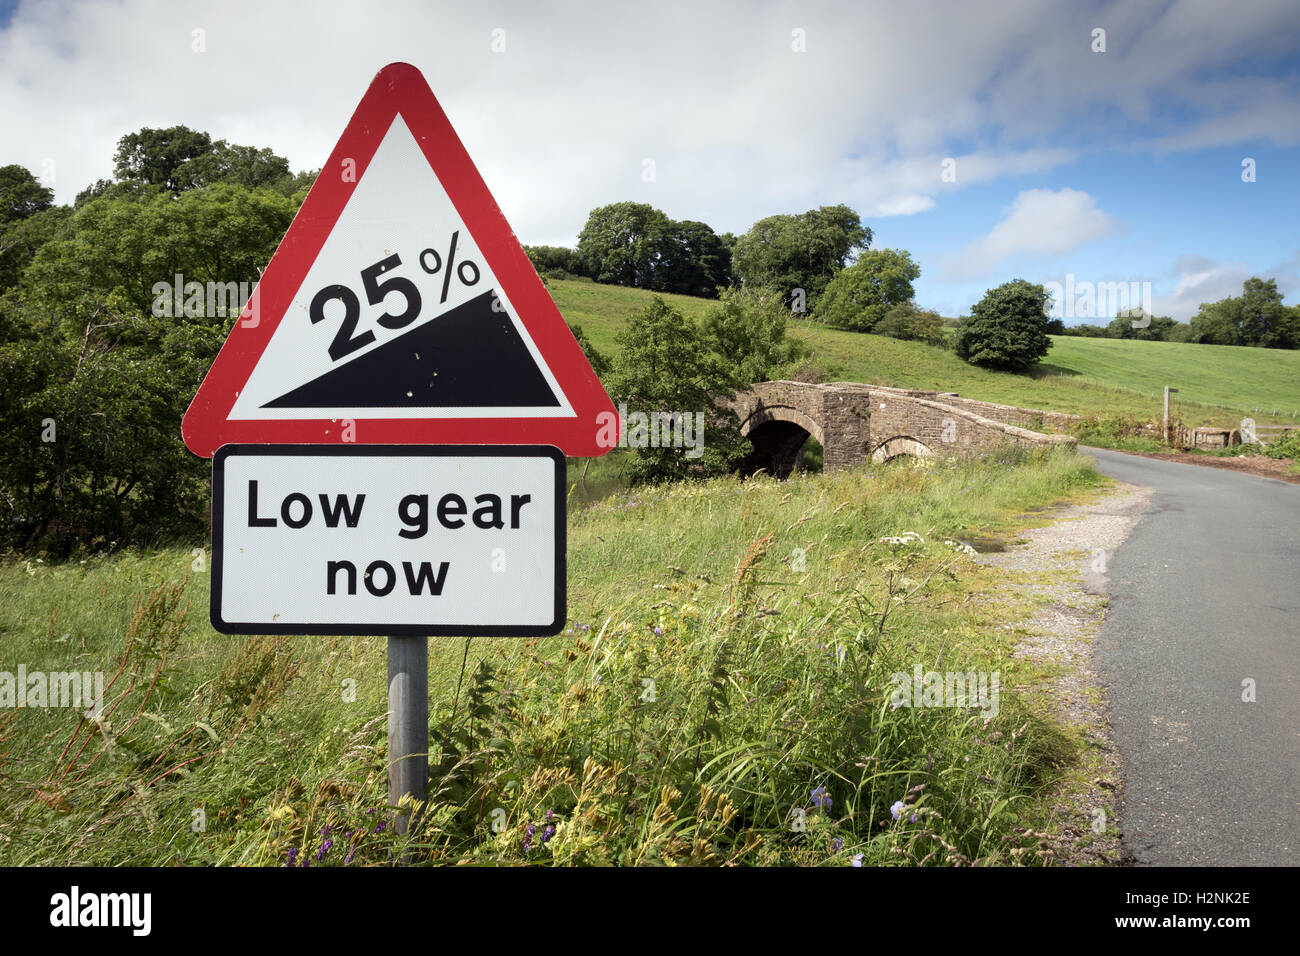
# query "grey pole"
(408, 720)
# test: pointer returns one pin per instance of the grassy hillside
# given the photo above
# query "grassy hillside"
(1105, 377)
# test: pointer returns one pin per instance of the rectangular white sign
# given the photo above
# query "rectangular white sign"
(388, 539)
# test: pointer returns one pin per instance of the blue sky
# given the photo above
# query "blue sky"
(1122, 165)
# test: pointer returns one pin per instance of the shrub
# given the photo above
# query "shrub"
(1007, 328)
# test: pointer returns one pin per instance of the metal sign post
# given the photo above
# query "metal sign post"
(408, 723)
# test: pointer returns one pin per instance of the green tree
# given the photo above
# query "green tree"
(1256, 317)
(860, 295)
(21, 239)
(698, 261)
(155, 156)
(1007, 329)
(21, 194)
(556, 260)
(624, 243)
(245, 166)
(1265, 321)
(665, 366)
(747, 330)
(120, 249)
(908, 322)
(788, 252)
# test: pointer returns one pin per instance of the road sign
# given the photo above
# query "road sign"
(400, 309)
(388, 539)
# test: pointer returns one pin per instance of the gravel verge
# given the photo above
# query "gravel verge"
(1063, 567)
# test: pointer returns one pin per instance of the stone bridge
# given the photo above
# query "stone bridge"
(854, 422)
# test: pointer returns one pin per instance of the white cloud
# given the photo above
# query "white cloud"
(905, 205)
(1040, 223)
(1198, 279)
(739, 125)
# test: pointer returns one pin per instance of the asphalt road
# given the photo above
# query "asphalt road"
(1203, 597)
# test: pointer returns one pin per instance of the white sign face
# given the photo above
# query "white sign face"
(388, 539)
(393, 317)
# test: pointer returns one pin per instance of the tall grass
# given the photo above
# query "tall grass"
(722, 695)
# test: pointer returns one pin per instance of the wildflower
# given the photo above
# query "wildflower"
(896, 809)
(857, 860)
(821, 799)
(659, 632)
(293, 856)
(837, 844)
(351, 853)
(324, 848)
(549, 815)
(548, 833)
(379, 827)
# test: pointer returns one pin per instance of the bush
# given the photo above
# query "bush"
(1007, 328)
(860, 296)
(906, 321)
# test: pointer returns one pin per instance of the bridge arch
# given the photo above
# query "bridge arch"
(778, 434)
(898, 446)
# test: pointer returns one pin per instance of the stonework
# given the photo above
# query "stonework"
(854, 422)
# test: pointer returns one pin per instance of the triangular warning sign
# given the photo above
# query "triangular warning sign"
(400, 309)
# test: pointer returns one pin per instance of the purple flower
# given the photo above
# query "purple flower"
(379, 827)
(548, 833)
(293, 856)
(324, 848)
(821, 799)
(897, 809)
(549, 815)
(856, 861)
(659, 632)
(351, 853)
(837, 844)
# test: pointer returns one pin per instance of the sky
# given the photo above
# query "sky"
(992, 140)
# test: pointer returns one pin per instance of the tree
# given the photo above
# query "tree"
(221, 234)
(624, 243)
(1265, 321)
(664, 366)
(860, 295)
(21, 239)
(698, 261)
(21, 194)
(558, 260)
(1137, 323)
(240, 165)
(634, 244)
(1007, 328)
(154, 156)
(908, 322)
(800, 252)
(1256, 317)
(747, 330)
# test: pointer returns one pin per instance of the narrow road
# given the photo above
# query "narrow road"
(1203, 605)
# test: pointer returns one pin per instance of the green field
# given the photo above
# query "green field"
(729, 662)
(1104, 377)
